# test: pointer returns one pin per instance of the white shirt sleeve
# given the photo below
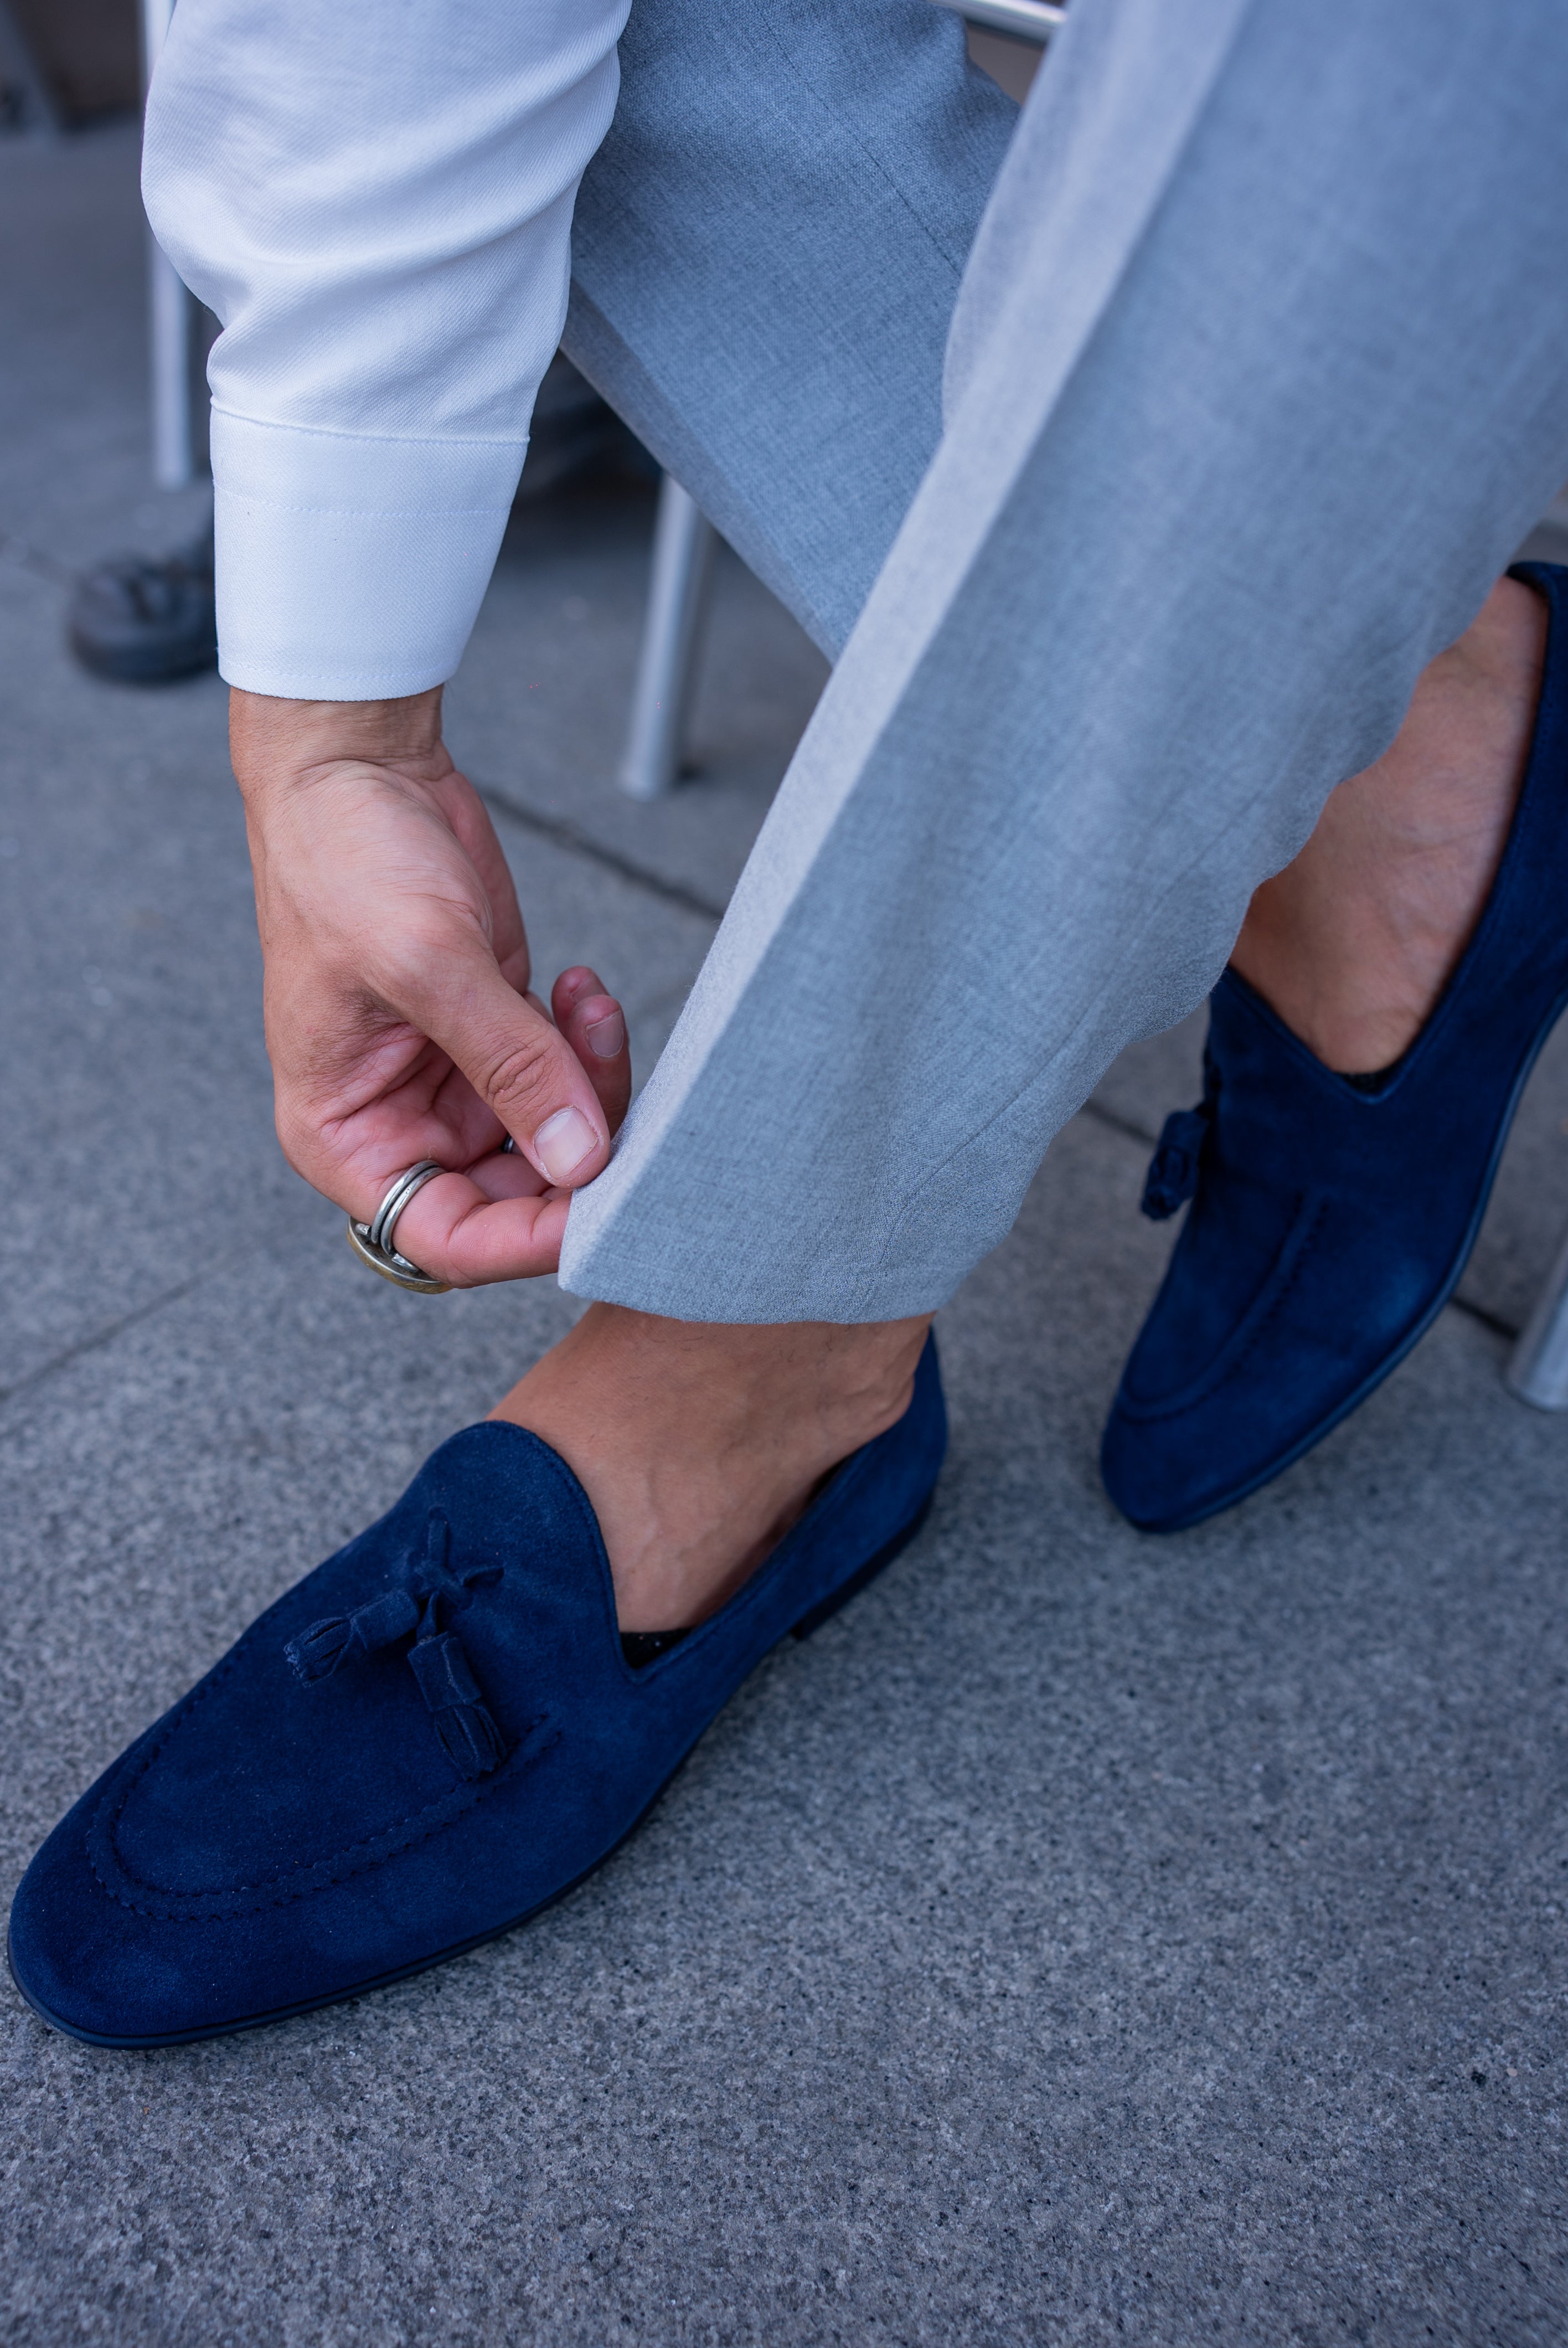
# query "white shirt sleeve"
(376, 203)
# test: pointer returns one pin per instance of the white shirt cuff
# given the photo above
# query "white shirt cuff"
(352, 567)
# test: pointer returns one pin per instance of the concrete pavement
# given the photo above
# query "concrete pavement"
(1083, 1939)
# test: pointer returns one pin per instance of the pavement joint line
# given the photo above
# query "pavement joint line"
(112, 1329)
(20, 556)
(1117, 1123)
(565, 834)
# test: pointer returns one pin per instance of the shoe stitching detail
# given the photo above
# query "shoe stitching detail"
(402, 1834)
(1221, 1371)
(317, 1875)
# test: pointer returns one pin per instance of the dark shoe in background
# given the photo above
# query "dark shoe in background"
(1332, 1216)
(150, 620)
(146, 619)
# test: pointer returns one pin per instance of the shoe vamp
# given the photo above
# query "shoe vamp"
(1293, 1300)
(257, 1780)
(261, 1781)
(1225, 1255)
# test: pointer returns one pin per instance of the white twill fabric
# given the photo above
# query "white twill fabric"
(376, 203)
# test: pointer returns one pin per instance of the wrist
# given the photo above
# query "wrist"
(275, 744)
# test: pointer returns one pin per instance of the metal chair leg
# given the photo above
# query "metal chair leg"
(1538, 1367)
(683, 542)
(168, 317)
(173, 461)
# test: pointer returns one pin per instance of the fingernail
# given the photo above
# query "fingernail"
(562, 1142)
(607, 1037)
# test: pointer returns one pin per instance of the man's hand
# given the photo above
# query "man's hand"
(398, 1019)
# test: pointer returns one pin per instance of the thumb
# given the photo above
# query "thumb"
(521, 1067)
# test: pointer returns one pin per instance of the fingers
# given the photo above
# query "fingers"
(523, 1068)
(458, 1229)
(414, 1103)
(594, 1026)
(471, 820)
(500, 1219)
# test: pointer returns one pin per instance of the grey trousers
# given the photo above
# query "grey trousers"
(1255, 351)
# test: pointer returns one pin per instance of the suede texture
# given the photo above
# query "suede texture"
(277, 1841)
(1330, 1223)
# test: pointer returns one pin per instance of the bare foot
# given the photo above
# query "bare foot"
(1353, 942)
(698, 1444)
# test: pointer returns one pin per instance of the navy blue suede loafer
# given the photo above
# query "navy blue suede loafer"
(1331, 1216)
(423, 1744)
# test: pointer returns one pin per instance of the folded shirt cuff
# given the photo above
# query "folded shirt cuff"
(351, 568)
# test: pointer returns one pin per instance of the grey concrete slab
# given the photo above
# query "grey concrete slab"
(136, 1095)
(75, 478)
(1083, 1937)
(539, 708)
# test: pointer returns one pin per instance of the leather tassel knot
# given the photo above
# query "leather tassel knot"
(1173, 1175)
(460, 1715)
(316, 1654)
(469, 1736)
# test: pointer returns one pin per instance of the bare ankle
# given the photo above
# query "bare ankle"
(1354, 942)
(700, 1443)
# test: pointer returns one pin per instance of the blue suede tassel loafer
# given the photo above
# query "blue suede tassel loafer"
(1331, 1217)
(423, 1744)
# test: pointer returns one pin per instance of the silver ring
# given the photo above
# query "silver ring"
(372, 1242)
(384, 1222)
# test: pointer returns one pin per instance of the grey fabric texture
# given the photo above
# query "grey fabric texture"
(1101, 688)
(765, 255)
